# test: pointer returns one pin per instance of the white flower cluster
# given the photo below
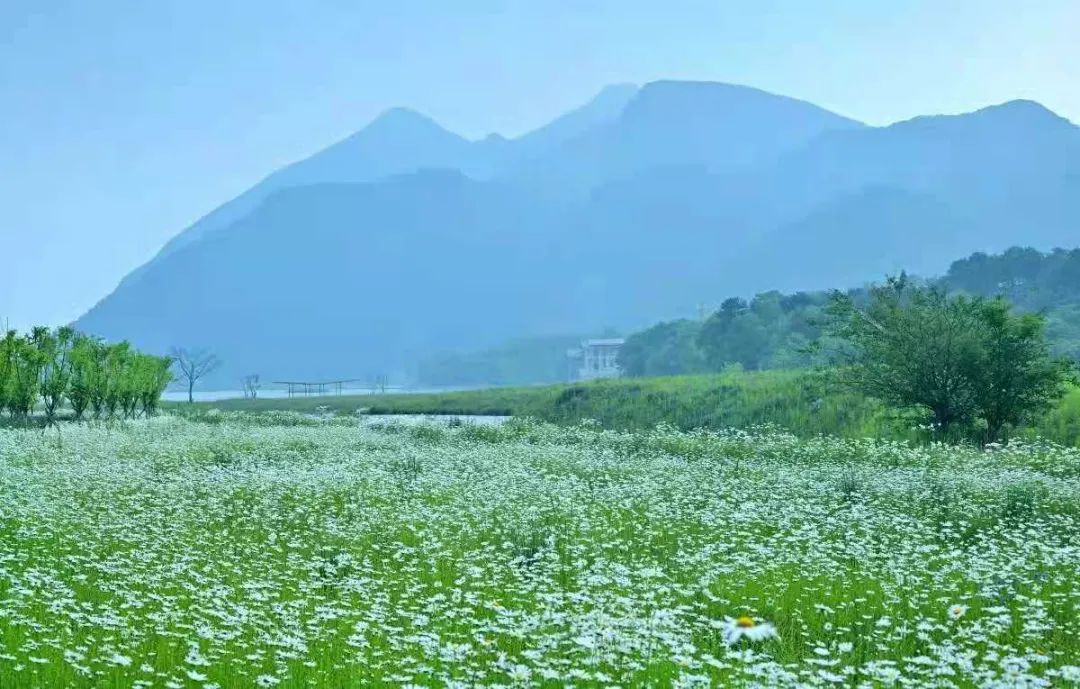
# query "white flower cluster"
(284, 551)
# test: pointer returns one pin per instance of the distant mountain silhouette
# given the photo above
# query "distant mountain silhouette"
(405, 239)
(400, 141)
(719, 127)
(328, 277)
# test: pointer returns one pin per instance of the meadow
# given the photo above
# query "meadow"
(804, 402)
(279, 549)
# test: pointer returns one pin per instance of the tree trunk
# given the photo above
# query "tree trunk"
(191, 391)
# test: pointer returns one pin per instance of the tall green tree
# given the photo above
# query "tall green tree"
(116, 363)
(154, 375)
(1017, 376)
(663, 350)
(24, 387)
(54, 353)
(968, 362)
(912, 347)
(80, 387)
(8, 352)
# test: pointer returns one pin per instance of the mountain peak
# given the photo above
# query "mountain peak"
(619, 94)
(1014, 114)
(667, 97)
(1022, 111)
(603, 108)
(403, 121)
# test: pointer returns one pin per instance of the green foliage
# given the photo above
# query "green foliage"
(54, 350)
(1017, 377)
(53, 367)
(778, 331)
(22, 370)
(805, 402)
(1026, 277)
(771, 331)
(663, 350)
(912, 348)
(1047, 283)
(963, 360)
(1062, 423)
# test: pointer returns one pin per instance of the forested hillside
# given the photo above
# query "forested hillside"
(774, 330)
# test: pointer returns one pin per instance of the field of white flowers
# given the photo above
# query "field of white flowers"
(287, 551)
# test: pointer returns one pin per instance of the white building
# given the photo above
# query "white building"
(597, 358)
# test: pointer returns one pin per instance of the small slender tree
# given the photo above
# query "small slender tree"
(54, 351)
(379, 383)
(83, 351)
(155, 374)
(251, 386)
(193, 364)
(24, 387)
(8, 353)
(117, 362)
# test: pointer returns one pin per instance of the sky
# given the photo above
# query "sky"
(122, 122)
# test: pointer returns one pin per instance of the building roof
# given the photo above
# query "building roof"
(602, 342)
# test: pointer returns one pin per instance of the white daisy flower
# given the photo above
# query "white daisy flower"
(746, 627)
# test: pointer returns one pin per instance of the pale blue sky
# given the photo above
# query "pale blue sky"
(122, 122)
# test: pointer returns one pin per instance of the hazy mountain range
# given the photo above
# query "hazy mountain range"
(405, 239)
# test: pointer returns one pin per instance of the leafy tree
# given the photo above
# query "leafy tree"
(54, 355)
(736, 334)
(116, 363)
(57, 366)
(8, 353)
(80, 386)
(912, 347)
(662, 350)
(153, 373)
(98, 379)
(1017, 376)
(23, 389)
(962, 359)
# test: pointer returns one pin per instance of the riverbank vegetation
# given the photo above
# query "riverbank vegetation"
(62, 371)
(804, 402)
(776, 331)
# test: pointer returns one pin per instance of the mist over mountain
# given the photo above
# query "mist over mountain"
(405, 239)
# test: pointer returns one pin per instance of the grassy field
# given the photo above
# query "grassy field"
(283, 550)
(800, 402)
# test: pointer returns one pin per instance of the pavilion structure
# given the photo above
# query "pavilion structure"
(315, 387)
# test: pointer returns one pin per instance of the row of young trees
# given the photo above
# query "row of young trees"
(53, 369)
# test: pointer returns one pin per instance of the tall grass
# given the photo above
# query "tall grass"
(805, 403)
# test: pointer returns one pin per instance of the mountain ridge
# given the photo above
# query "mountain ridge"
(629, 210)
